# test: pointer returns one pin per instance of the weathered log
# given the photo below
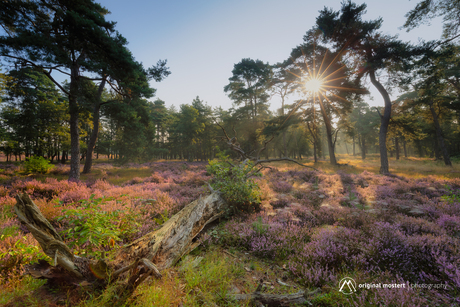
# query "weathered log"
(142, 258)
(49, 240)
(138, 260)
(174, 239)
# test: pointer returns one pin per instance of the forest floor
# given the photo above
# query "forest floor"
(397, 238)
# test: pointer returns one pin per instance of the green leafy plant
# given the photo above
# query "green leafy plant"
(38, 165)
(163, 217)
(452, 197)
(259, 226)
(351, 195)
(235, 184)
(23, 251)
(90, 228)
(316, 184)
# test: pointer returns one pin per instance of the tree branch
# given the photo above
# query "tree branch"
(42, 69)
(378, 111)
(283, 159)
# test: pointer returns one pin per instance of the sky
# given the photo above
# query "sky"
(203, 39)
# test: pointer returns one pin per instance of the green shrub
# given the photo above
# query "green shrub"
(90, 228)
(240, 191)
(36, 164)
(21, 252)
(452, 197)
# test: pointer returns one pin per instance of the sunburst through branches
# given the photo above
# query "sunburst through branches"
(327, 83)
(323, 82)
(313, 85)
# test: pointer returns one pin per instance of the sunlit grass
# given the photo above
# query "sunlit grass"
(120, 175)
(411, 167)
(19, 288)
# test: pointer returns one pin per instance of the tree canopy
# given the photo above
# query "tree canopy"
(72, 38)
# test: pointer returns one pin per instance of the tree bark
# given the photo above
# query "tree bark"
(354, 151)
(174, 239)
(49, 240)
(384, 122)
(363, 148)
(74, 130)
(439, 136)
(329, 133)
(315, 155)
(405, 148)
(95, 132)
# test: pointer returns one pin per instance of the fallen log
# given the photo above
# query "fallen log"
(134, 262)
(174, 239)
(49, 240)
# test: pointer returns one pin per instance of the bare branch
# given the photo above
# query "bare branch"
(378, 111)
(283, 159)
(336, 132)
(265, 146)
(42, 69)
(225, 132)
(115, 88)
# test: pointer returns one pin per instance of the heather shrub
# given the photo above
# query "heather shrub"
(16, 250)
(38, 165)
(51, 210)
(387, 248)
(155, 178)
(434, 259)
(313, 275)
(418, 226)
(3, 191)
(279, 203)
(354, 219)
(404, 297)
(451, 223)
(60, 169)
(327, 216)
(266, 238)
(282, 186)
(333, 247)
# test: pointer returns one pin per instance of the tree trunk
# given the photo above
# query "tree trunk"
(384, 122)
(63, 157)
(439, 136)
(397, 147)
(354, 152)
(328, 125)
(363, 148)
(92, 140)
(405, 149)
(74, 130)
(314, 152)
(95, 132)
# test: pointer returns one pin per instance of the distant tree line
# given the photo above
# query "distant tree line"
(110, 111)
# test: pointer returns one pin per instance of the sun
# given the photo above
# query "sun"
(313, 85)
